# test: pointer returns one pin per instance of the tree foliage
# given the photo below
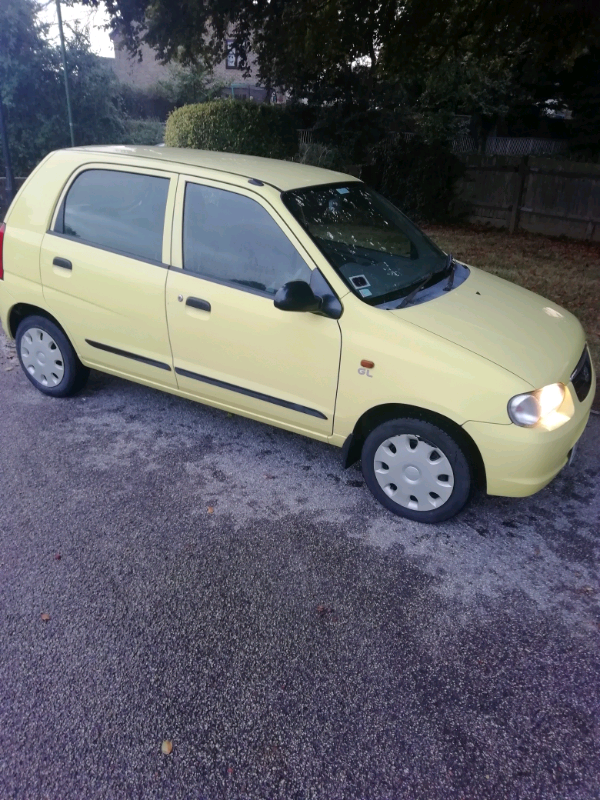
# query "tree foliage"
(32, 88)
(419, 176)
(368, 58)
(310, 46)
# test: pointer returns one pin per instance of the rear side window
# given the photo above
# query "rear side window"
(121, 211)
(231, 238)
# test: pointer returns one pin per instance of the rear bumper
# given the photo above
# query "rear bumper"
(6, 303)
(521, 461)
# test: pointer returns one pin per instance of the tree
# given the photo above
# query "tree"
(359, 58)
(33, 92)
(306, 44)
(191, 84)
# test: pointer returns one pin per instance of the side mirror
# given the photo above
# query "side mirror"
(297, 296)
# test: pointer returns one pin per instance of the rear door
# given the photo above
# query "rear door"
(231, 346)
(104, 266)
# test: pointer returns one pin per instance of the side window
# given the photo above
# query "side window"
(123, 211)
(231, 238)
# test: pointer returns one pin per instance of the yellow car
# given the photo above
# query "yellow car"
(298, 297)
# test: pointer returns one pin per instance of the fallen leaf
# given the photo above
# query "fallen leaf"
(167, 747)
(46, 617)
(210, 510)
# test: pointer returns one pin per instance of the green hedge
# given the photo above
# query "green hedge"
(233, 126)
(143, 131)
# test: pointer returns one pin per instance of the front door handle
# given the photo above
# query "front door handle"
(195, 302)
(63, 263)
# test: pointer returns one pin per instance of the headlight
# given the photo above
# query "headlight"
(531, 408)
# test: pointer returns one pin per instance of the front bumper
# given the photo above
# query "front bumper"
(521, 461)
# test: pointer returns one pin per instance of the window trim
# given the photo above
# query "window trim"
(113, 250)
(253, 197)
(232, 51)
(173, 179)
(229, 284)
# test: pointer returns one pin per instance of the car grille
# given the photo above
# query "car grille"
(582, 376)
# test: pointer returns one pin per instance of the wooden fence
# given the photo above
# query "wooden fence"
(541, 195)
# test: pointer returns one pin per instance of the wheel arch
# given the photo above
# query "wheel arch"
(375, 416)
(21, 311)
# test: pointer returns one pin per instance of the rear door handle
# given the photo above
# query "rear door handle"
(64, 263)
(195, 302)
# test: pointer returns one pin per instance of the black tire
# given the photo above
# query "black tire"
(459, 484)
(74, 375)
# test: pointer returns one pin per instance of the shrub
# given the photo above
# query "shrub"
(143, 131)
(152, 103)
(353, 129)
(186, 85)
(320, 155)
(233, 126)
(418, 176)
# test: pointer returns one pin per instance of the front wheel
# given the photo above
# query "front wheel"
(416, 469)
(48, 358)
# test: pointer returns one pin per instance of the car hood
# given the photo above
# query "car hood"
(526, 334)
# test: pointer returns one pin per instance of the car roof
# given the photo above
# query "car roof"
(283, 175)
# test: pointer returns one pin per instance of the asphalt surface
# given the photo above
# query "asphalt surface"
(297, 642)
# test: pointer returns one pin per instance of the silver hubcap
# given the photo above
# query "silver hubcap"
(42, 358)
(412, 473)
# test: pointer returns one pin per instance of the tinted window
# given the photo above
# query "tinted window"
(232, 238)
(119, 210)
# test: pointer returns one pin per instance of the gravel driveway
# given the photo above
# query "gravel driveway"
(228, 587)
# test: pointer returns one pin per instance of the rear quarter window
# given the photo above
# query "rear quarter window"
(122, 211)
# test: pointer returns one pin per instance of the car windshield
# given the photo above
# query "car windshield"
(379, 253)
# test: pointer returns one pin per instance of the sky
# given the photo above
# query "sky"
(93, 19)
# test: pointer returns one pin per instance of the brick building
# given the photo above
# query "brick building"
(147, 72)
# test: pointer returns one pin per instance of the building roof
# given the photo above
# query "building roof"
(283, 175)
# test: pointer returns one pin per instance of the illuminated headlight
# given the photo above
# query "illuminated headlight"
(531, 408)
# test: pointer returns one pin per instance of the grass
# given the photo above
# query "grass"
(564, 271)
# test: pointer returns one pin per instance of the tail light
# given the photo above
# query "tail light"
(2, 229)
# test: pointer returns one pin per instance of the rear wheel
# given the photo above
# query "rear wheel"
(48, 358)
(417, 470)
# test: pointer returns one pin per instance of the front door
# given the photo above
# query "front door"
(231, 346)
(104, 268)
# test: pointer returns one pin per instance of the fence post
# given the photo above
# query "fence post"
(518, 195)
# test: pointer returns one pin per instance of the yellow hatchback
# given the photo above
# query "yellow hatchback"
(297, 297)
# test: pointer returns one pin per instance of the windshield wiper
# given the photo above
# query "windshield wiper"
(450, 265)
(411, 295)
